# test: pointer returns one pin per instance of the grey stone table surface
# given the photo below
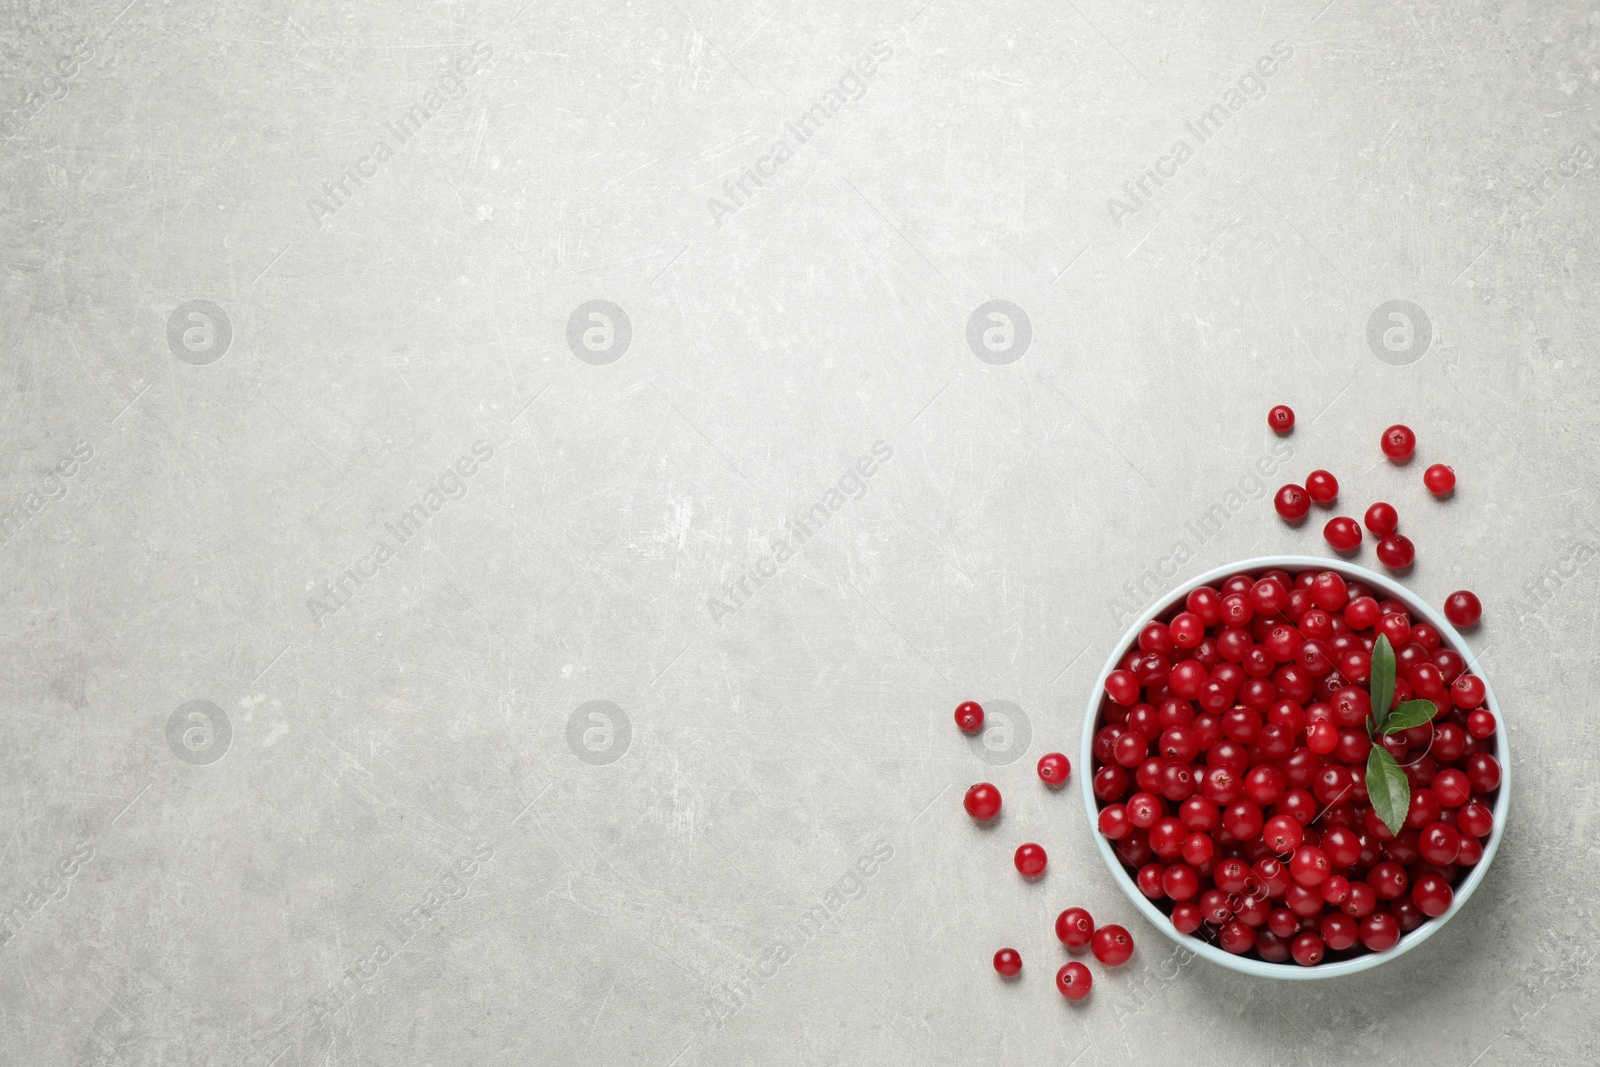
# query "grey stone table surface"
(501, 499)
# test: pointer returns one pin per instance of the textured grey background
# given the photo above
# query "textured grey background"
(400, 833)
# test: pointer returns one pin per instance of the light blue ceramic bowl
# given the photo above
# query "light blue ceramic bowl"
(1449, 638)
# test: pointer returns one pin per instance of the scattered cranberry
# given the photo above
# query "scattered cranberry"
(1074, 980)
(1008, 962)
(1396, 552)
(1439, 479)
(1382, 519)
(969, 717)
(1399, 442)
(1463, 608)
(1322, 487)
(1292, 503)
(1030, 860)
(1343, 533)
(1281, 419)
(983, 802)
(1054, 768)
(1112, 945)
(1074, 927)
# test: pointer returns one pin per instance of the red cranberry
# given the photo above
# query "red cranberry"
(969, 717)
(1074, 980)
(1110, 782)
(1329, 592)
(1054, 767)
(1399, 442)
(1271, 948)
(1467, 692)
(1205, 602)
(1480, 723)
(1439, 479)
(1292, 502)
(1322, 487)
(1475, 819)
(1463, 608)
(983, 802)
(1074, 927)
(1380, 931)
(1122, 687)
(1281, 419)
(1112, 945)
(1339, 931)
(1307, 949)
(1396, 552)
(1343, 533)
(1237, 938)
(1388, 880)
(1483, 771)
(1180, 882)
(1382, 519)
(1432, 895)
(1030, 860)
(1187, 917)
(1008, 962)
(1439, 844)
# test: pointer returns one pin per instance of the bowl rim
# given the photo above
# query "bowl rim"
(1449, 636)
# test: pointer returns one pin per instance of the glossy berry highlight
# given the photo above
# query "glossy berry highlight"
(1008, 961)
(983, 802)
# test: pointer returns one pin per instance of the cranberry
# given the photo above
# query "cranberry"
(1030, 860)
(1339, 931)
(1074, 927)
(1463, 608)
(1198, 849)
(1399, 442)
(1471, 852)
(1388, 880)
(1380, 931)
(1271, 948)
(1074, 980)
(1008, 962)
(969, 717)
(1439, 844)
(1307, 949)
(1281, 419)
(1328, 591)
(1475, 819)
(983, 802)
(1292, 503)
(1122, 687)
(1237, 938)
(1343, 533)
(1322, 487)
(1054, 767)
(1480, 722)
(1396, 552)
(1145, 810)
(1180, 882)
(1483, 771)
(1283, 834)
(1432, 895)
(1112, 945)
(1187, 917)
(1201, 815)
(1382, 519)
(1110, 782)
(1310, 866)
(1362, 613)
(1439, 479)
(1205, 602)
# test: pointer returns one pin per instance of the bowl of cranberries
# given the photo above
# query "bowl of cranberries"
(1296, 770)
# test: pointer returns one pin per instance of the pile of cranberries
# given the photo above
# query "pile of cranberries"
(1230, 762)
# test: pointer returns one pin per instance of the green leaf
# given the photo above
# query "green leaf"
(1388, 789)
(1382, 688)
(1411, 713)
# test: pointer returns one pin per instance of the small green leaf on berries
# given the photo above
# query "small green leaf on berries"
(1382, 687)
(1388, 789)
(1411, 713)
